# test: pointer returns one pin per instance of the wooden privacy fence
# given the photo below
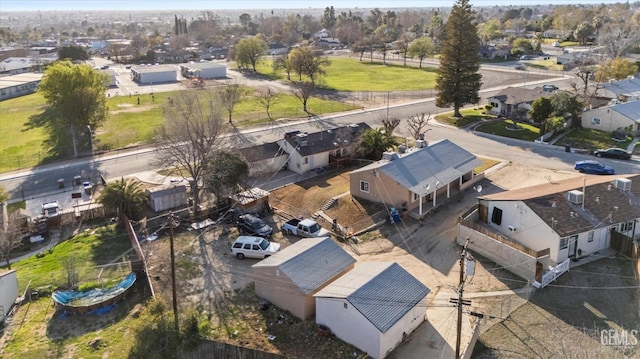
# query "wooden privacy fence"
(212, 349)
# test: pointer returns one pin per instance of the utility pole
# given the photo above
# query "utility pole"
(173, 274)
(463, 256)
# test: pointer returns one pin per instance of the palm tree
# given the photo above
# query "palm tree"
(373, 142)
(124, 196)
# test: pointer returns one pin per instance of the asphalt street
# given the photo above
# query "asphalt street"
(40, 181)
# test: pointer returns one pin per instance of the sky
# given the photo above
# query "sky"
(33, 5)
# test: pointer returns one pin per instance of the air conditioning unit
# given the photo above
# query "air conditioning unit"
(512, 228)
(575, 196)
(623, 184)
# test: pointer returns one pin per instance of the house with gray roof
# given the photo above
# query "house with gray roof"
(623, 90)
(327, 148)
(373, 307)
(291, 277)
(264, 159)
(417, 180)
(613, 117)
(508, 101)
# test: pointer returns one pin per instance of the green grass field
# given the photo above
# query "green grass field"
(591, 139)
(89, 250)
(469, 116)
(525, 131)
(349, 74)
(128, 123)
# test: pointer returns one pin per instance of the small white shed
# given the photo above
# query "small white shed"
(166, 197)
(373, 307)
(8, 292)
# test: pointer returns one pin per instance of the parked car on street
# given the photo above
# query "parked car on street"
(594, 167)
(613, 153)
(254, 226)
(253, 247)
(549, 88)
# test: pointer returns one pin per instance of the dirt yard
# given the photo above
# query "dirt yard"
(219, 286)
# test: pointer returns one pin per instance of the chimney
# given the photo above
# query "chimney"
(301, 139)
(354, 127)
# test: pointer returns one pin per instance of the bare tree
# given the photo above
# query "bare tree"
(588, 85)
(229, 96)
(70, 267)
(190, 135)
(389, 123)
(618, 38)
(416, 123)
(268, 98)
(10, 237)
(303, 90)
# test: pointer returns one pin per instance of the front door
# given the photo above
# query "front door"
(573, 246)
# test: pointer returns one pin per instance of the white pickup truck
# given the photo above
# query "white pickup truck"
(304, 228)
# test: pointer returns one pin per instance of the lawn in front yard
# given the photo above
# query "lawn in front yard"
(39, 331)
(504, 128)
(349, 74)
(591, 139)
(469, 116)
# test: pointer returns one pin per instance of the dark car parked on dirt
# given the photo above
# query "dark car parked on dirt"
(254, 226)
(613, 153)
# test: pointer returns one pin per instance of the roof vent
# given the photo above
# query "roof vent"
(575, 196)
(389, 156)
(623, 184)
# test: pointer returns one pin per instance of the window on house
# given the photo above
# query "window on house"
(626, 227)
(305, 160)
(496, 216)
(416, 197)
(564, 243)
(345, 305)
(595, 121)
(590, 237)
(364, 186)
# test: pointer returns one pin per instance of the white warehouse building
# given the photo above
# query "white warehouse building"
(154, 74)
(205, 70)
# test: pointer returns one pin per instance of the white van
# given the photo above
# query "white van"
(253, 247)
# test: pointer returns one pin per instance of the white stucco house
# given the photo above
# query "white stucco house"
(374, 307)
(571, 218)
(613, 117)
(331, 147)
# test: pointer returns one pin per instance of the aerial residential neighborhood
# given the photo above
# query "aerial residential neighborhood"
(340, 180)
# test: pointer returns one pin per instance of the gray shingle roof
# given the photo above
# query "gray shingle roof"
(382, 292)
(310, 262)
(437, 164)
(517, 95)
(630, 110)
(262, 152)
(627, 87)
(327, 140)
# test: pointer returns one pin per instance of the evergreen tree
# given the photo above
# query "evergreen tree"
(459, 80)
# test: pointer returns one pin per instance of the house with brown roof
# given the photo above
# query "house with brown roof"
(508, 101)
(570, 218)
(327, 148)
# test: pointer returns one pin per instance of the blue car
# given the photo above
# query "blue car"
(594, 167)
